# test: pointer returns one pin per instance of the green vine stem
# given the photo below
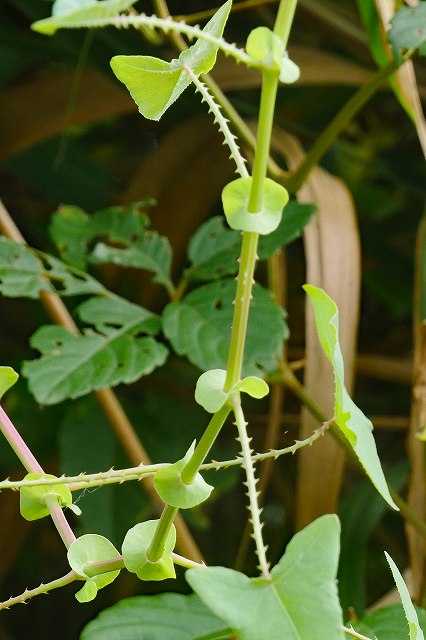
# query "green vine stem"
(251, 482)
(284, 20)
(104, 566)
(156, 548)
(354, 633)
(324, 141)
(43, 588)
(205, 444)
(214, 108)
(118, 476)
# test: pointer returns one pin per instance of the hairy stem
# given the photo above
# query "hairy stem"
(251, 482)
(242, 306)
(43, 588)
(118, 476)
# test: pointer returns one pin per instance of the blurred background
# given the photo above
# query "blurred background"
(71, 134)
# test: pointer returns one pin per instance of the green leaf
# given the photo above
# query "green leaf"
(253, 386)
(356, 427)
(408, 29)
(235, 200)
(8, 377)
(74, 232)
(199, 327)
(213, 251)
(33, 499)
(167, 616)
(266, 46)
(135, 547)
(152, 252)
(201, 57)
(410, 613)
(295, 217)
(209, 391)
(388, 623)
(173, 491)
(85, 550)
(23, 274)
(73, 365)
(298, 602)
(154, 84)
(81, 14)
(290, 72)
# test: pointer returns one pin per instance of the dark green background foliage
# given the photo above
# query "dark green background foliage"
(70, 135)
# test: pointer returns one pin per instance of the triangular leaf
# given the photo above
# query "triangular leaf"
(167, 616)
(300, 597)
(81, 14)
(154, 84)
(73, 365)
(350, 419)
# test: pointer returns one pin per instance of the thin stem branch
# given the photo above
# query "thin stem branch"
(340, 121)
(251, 482)
(355, 634)
(284, 20)
(43, 588)
(214, 108)
(118, 476)
(242, 307)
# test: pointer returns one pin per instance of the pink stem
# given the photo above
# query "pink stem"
(32, 466)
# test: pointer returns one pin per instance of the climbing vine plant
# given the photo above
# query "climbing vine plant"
(298, 597)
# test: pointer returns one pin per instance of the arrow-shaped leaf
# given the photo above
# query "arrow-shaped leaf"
(155, 84)
(350, 419)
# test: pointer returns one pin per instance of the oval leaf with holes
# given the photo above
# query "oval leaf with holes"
(135, 547)
(33, 499)
(408, 29)
(173, 491)
(73, 365)
(85, 550)
(235, 200)
(199, 327)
